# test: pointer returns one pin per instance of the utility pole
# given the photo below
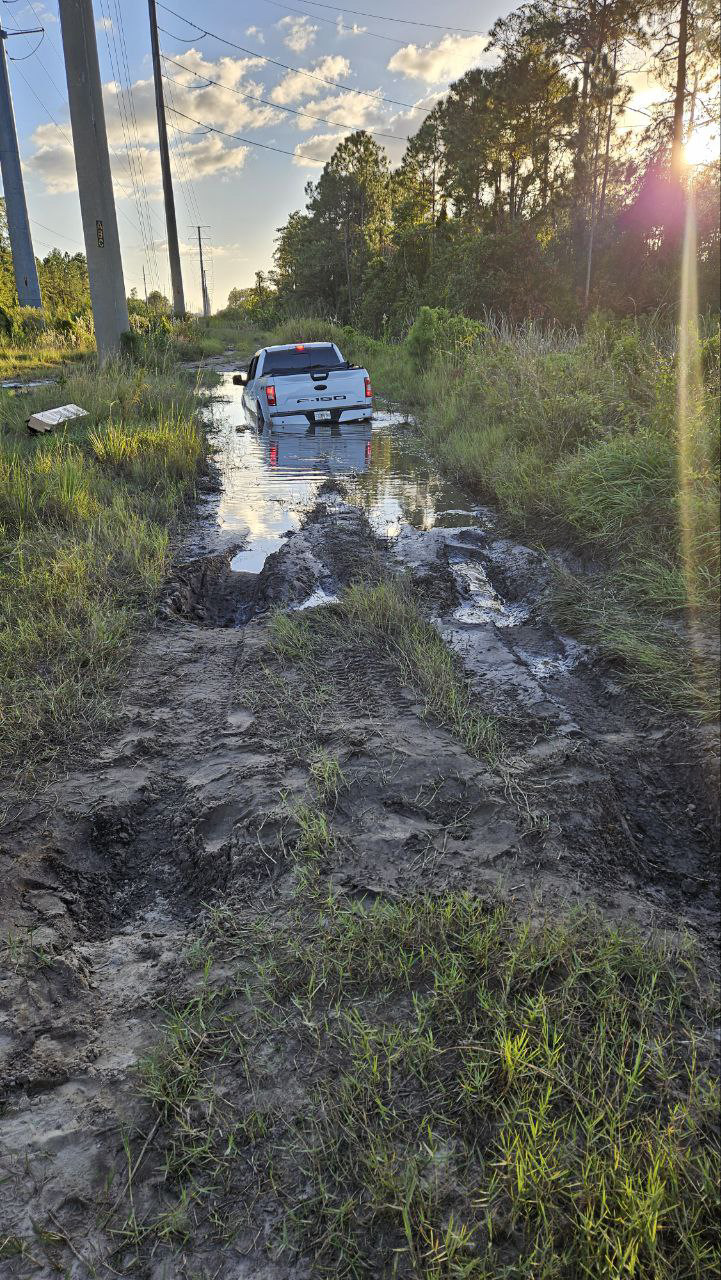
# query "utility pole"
(24, 267)
(95, 184)
(176, 277)
(203, 281)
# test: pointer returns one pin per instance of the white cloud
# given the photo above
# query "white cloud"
(353, 30)
(103, 24)
(409, 121)
(295, 86)
(213, 155)
(299, 33)
(450, 58)
(256, 33)
(353, 109)
(53, 159)
(316, 150)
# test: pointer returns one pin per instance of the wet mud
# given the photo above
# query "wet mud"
(108, 869)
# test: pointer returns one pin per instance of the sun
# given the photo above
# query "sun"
(702, 147)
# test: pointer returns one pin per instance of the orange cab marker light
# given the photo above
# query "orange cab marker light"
(270, 393)
(300, 346)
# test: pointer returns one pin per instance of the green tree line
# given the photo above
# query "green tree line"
(523, 191)
(65, 292)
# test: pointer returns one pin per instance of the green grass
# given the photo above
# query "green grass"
(38, 360)
(85, 516)
(432, 1089)
(386, 615)
(576, 437)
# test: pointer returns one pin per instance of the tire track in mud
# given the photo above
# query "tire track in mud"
(107, 873)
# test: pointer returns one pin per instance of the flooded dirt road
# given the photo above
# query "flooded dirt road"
(594, 799)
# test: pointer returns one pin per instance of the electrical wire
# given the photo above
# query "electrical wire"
(12, 58)
(310, 75)
(183, 165)
(266, 146)
(142, 209)
(276, 106)
(317, 17)
(59, 234)
(407, 22)
(134, 122)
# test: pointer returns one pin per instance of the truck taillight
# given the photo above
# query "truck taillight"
(270, 393)
(369, 389)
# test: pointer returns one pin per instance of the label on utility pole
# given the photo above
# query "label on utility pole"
(100, 234)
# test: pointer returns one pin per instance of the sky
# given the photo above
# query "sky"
(239, 192)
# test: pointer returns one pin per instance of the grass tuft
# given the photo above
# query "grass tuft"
(387, 614)
(466, 1096)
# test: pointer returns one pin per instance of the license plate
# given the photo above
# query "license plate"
(322, 415)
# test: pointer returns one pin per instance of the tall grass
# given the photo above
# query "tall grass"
(575, 437)
(84, 535)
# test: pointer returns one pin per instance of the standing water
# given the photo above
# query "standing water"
(271, 477)
(271, 480)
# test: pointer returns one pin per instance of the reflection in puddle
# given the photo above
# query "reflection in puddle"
(271, 478)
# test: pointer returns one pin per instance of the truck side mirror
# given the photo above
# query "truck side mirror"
(240, 379)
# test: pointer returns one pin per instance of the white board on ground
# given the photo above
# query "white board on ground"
(50, 418)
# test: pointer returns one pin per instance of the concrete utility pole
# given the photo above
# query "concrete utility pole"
(203, 281)
(24, 267)
(176, 277)
(95, 185)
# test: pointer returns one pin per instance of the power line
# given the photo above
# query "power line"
(407, 22)
(276, 106)
(63, 134)
(186, 181)
(316, 17)
(135, 133)
(32, 51)
(146, 232)
(310, 75)
(56, 233)
(266, 146)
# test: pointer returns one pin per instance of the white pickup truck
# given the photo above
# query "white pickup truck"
(304, 382)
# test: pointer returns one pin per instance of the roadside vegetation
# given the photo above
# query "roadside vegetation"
(432, 1088)
(85, 519)
(576, 436)
(383, 618)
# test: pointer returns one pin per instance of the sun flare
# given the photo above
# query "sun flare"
(702, 147)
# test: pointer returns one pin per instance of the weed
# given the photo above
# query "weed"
(24, 953)
(387, 613)
(290, 635)
(327, 774)
(482, 1096)
(315, 838)
(575, 436)
(84, 519)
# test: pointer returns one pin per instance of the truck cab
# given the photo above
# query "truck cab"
(305, 383)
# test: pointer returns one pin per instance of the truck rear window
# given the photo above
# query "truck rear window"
(294, 361)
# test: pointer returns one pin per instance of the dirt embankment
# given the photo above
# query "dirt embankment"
(194, 798)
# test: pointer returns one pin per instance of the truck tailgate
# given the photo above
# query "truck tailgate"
(341, 389)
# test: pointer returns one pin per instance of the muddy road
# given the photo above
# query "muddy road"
(595, 799)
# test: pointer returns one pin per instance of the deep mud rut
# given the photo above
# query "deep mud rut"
(105, 872)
